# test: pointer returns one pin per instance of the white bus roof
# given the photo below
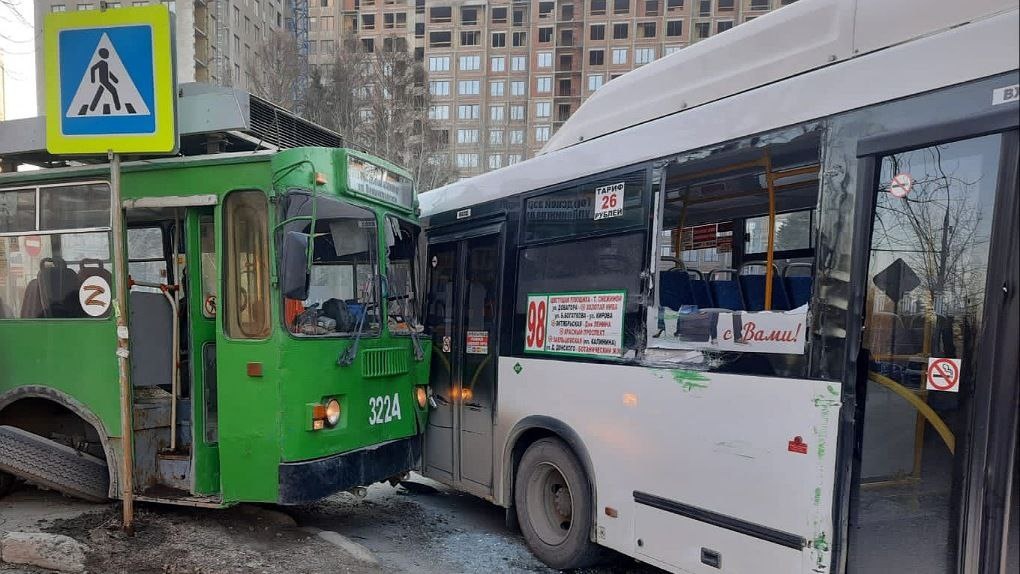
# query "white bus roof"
(858, 52)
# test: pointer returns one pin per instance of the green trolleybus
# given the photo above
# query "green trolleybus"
(274, 344)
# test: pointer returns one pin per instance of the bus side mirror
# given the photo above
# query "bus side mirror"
(294, 266)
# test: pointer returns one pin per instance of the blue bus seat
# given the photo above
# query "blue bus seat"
(753, 285)
(726, 292)
(798, 287)
(699, 286)
(676, 289)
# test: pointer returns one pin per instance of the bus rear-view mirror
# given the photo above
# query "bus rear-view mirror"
(294, 266)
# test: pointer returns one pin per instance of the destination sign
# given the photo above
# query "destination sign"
(377, 182)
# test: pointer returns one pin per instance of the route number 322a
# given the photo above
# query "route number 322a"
(384, 409)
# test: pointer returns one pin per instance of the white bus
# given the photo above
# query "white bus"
(754, 307)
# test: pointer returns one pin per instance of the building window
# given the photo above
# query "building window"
(597, 7)
(84, 7)
(439, 63)
(596, 57)
(542, 133)
(440, 14)
(470, 38)
(497, 114)
(468, 112)
(543, 109)
(499, 15)
(594, 82)
(545, 59)
(467, 136)
(518, 18)
(543, 84)
(520, 39)
(651, 7)
(759, 4)
(724, 5)
(497, 64)
(58, 8)
(621, 6)
(499, 39)
(470, 63)
(518, 63)
(516, 137)
(619, 55)
(672, 49)
(467, 160)
(439, 88)
(495, 161)
(704, 7)
(497, 88)
(469, 87)
(438, 39)
(439, 112)
(723, 25)
(675, 28)
(496, 136)
(597, 32)
(643, 55)
(517, 113)
(646, 30)
(672, 5)
(545, 35)
(702, 30)
(517, 88)
(469, 16)
(513, 158)
(620, 31)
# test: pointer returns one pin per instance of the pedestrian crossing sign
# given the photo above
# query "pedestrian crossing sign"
(110, 82)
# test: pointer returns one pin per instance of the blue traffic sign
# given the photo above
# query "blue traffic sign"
(110, 82)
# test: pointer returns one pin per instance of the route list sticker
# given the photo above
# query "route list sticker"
(586, 323)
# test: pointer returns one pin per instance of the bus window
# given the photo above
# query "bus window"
(51, 239)
(343, 289)
(247, 286)
(207, 232)
(728, 296)
(146, 260)
(609, 204)
(402, 276)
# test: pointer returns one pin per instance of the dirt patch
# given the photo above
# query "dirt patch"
(175, 540)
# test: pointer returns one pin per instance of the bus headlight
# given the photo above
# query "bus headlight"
(422, 396)
(332, 412)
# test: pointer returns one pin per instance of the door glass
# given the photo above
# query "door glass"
(480, 321)
(925, 296)
(440, 310)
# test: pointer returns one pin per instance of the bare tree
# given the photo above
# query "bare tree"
(379, 102)
(275, 69)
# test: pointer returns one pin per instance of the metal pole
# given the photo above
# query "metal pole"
(123, 360)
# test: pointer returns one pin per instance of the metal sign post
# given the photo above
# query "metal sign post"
(111, 89)
(123, 354)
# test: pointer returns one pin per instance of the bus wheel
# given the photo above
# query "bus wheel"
(554, 505)
(6, 483)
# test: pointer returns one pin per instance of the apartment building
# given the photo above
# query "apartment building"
(215, 39)
(505, 74)
(3, 87)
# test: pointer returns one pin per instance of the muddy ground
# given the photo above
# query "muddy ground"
(429, 530)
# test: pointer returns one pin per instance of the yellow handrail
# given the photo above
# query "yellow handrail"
(922, 407)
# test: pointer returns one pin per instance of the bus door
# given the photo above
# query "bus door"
(462, 312)
(936, 320)
(200, 290)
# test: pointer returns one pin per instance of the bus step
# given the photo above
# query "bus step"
(174, 470)
(53, 465)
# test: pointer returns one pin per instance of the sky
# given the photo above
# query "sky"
(17, 43)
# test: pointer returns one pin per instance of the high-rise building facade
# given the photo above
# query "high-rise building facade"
(505, 74)
(215, 39)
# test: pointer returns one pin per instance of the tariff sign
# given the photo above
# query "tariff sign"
(538, 311)
(609, 201)
(943, 375)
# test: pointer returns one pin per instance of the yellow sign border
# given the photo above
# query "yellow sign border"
(164, 138)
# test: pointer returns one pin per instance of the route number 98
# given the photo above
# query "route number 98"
(384, 409)
(537, 312)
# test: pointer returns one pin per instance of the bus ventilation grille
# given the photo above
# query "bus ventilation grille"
(383, 362)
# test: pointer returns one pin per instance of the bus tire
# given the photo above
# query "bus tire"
(48, 463)
(554, 505)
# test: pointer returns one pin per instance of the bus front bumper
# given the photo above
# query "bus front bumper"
(311, 480)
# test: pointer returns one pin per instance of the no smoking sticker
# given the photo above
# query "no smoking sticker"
(901, 185)
(943, 375)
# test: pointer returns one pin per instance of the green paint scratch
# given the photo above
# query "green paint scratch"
(690, 380)
(818, 495)
(821, 449)
(820, 542)
(832, 390)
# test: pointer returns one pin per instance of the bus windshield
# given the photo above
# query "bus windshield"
(402, 276)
